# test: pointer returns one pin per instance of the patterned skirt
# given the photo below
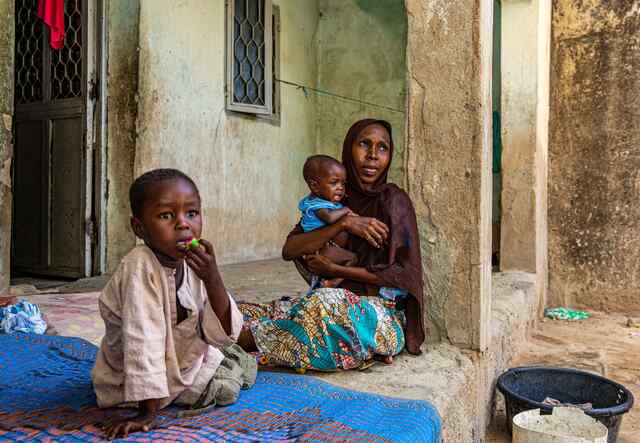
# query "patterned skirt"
(327, 330)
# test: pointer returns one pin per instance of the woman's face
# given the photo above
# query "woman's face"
(371, 151)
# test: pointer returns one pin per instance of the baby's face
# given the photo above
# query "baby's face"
(330, 183)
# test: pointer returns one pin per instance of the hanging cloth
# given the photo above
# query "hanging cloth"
(52, 13)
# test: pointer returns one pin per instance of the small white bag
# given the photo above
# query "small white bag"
(564, 425)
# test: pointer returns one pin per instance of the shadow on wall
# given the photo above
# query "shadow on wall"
(379, 9)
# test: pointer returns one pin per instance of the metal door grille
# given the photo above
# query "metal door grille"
(29, 53)
(34, 56)
(66, 63)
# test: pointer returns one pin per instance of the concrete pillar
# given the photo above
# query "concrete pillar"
(7, 35)
(594, 156)
(542, 150)
(525, 116)
(449, 162)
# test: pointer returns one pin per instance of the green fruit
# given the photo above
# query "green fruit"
(194, 244)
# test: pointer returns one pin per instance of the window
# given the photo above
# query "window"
(250, 56)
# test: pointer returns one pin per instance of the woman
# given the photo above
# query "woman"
(379, 304)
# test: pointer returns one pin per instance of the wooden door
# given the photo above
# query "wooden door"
(53, 139)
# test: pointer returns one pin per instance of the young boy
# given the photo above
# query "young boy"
(166, 311)
(326, 179)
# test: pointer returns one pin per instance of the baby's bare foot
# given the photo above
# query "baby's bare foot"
(332, 283)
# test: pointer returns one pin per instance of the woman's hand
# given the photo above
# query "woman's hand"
(319, 265)
(203, 261)
(368, 228)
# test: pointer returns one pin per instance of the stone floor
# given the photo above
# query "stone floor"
(443, 375)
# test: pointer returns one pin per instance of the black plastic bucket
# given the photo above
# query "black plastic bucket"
(526, 388)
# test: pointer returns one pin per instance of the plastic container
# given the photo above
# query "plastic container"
(564, 425)
(526, 388)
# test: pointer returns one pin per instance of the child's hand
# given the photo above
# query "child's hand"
(122, 428)
(202, 260)
(350, 212)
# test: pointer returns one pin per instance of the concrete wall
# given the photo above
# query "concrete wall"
(248, 169)
(594, 158)
(449, 162)
(361, 54)
(7, 35)
(120, 142)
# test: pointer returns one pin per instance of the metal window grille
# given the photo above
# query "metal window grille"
(249, 86)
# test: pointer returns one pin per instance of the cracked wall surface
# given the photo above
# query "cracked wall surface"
(448, 166)
(594, 155)
(7, 35)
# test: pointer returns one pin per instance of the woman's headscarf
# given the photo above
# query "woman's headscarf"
(398, 263)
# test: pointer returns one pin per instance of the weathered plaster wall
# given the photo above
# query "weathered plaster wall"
(121, 108)
(248, 169)
(7, 35)
(449, 162)
(361, 54)
(594, 157)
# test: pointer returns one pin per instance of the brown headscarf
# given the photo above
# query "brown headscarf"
(398, 263)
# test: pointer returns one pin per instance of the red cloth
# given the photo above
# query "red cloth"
(52, 13)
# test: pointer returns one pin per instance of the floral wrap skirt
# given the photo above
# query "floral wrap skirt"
(327, 330)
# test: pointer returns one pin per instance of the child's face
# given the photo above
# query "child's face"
(170, 215)
(330, 183)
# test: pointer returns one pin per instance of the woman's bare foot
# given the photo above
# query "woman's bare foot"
(386, 359)
(412, 344)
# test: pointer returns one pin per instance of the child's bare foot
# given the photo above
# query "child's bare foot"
(331, 283)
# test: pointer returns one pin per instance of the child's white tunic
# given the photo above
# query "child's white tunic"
(145, 354)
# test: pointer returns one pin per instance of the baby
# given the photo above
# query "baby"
(170, 325)
(326, 179)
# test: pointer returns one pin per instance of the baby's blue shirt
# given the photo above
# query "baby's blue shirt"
(308, 207)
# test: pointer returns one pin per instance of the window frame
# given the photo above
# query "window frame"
(275, 116)
(268, 108)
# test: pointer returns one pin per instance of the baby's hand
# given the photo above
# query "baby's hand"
(350, 212)
(202, 260)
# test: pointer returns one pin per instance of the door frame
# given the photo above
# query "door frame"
(100, 187)
(93, 172)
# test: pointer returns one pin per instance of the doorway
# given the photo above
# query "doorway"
(497, 135)
(55, 101)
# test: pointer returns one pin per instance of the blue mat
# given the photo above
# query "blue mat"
(46, 395)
